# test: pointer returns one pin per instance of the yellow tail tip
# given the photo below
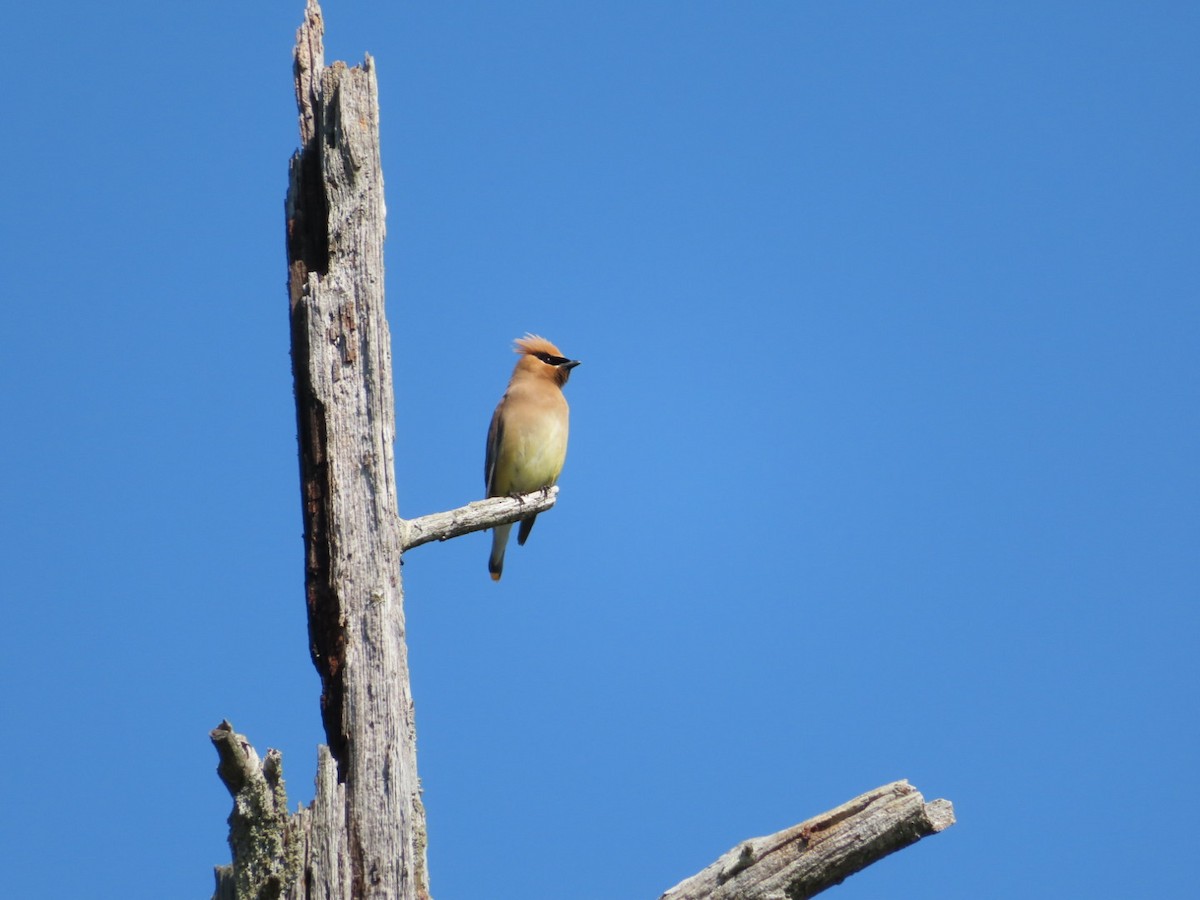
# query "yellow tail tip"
(495, 576)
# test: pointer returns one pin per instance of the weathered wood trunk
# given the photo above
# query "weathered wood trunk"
(365, 835)
(341, 359)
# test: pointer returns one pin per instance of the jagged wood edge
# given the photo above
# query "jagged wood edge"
(805, 859)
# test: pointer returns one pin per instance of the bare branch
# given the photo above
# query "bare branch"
(805, 859)
(266, 858)
(474, 517)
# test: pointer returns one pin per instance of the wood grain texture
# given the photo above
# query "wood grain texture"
(341, 360)
(474, 517)
(805, 859)
(364, 836)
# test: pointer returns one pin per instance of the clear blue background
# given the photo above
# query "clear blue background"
(884, 448)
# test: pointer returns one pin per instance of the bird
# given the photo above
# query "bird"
(527, 440)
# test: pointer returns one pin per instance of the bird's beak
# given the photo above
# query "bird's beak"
(570, 364)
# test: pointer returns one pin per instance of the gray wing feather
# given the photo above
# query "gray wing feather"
(495, 433)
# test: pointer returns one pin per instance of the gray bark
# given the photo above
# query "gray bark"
(805, 859)
(341, 361)
(474, 517)
(260, 832)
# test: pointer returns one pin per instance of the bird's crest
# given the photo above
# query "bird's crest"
(533, 344)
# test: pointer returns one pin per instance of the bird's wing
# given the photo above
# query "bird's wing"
(495, 435)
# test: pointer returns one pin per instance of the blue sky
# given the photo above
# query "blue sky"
(884, 446)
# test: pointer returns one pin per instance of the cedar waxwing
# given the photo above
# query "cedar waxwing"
(527, 441)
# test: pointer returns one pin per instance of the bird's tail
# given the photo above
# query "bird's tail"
(499, 542)
(523, 531)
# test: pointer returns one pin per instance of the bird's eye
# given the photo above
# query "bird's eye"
(551, 360)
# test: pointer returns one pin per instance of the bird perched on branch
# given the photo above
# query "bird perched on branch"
(527, 441)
